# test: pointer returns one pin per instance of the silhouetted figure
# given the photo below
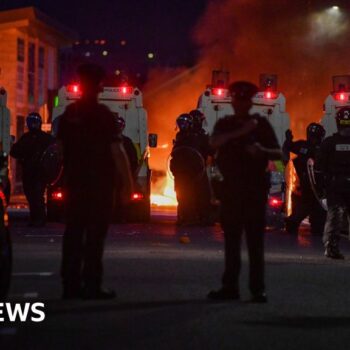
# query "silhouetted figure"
(127, 143)
(187, 166)
(92, 156)
(203, 192)
(120, 212)
(304, 200)
(29, 150)
(333, 162)
(245, 144)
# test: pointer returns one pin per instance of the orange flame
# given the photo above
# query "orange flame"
(166, 195)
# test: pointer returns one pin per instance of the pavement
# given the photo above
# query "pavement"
(161, 287)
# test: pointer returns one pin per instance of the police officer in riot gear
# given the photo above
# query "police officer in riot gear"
(245, 143)
(305, 204)
(202, 144)
(333, 163)
(119, 212)
(187, 166)
(29, 151)
(184, 124)
(94, 159)
(128, 144)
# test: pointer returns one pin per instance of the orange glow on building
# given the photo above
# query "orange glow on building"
(29, 45)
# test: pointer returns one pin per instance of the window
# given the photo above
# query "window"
(41, 74)
(20, 50)
(31, 73)
(41, 57)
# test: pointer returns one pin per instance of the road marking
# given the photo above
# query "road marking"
(44, 236)
(8, 331)
(28, 274)
(31, 295)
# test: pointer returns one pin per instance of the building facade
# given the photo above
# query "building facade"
(29, 64)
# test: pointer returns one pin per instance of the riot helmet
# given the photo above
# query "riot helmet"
(316, 132)
(184, 122)
(343, 118)
(34, 121)
(197, 119)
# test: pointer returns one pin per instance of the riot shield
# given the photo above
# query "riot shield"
(51, 164)
(186, 160)
(313, 181)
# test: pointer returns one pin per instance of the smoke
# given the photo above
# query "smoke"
(304, 48)
(327, 25)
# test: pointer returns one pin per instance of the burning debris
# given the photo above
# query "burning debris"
(249, 37)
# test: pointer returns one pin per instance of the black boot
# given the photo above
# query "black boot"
(332, 251)
(223, 294)
(99, 294)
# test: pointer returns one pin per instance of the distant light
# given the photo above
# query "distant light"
(105, 53)
(340, 96)
(87, 54)
(138, 75)
(126, 90)
(97, 42)
(56, 101)
(87, 42)
(275, 202)
(270, 95)
(335, 8)
(73, 88)
(150, 55)
(137, 196)
(218, 91)
(117, 72)
(123, 43)
(103, 42)
(77, 43)
(57, 195)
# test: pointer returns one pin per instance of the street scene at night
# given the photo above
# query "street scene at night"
(174, 175)
(161, 287)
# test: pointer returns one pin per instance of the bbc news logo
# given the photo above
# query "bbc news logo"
(25, 312)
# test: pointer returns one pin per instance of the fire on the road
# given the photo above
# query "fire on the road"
(166, 196)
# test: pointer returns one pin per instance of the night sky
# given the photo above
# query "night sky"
(159, 26)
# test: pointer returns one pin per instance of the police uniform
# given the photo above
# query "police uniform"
(29, 151)
(306, 203)
(244, 143)
(86, 131)
(203, 191)
(187, 167)
(243, 201)
(334, 163)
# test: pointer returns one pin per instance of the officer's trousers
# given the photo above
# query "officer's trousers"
(304, 206)
(82, 254)
(87, 220)
(338, 218)
(203, 197)
(185, 188)
(34, 191)
(244, 212)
